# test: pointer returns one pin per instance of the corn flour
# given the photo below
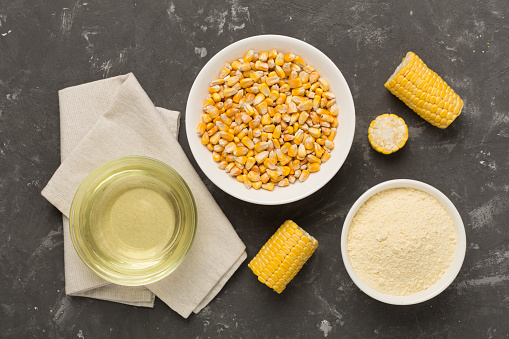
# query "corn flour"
(401, 241)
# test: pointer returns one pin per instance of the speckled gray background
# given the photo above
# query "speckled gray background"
(48, 45)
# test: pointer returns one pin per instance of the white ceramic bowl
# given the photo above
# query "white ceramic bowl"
(338, 86)
(450, 273)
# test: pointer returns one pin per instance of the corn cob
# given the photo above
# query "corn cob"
(425, 92)
(283, 255)
(387, 133)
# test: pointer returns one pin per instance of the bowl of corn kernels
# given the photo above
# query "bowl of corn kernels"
(270, 119)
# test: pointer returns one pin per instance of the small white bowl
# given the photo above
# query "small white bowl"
(338, 86)
(449, 275)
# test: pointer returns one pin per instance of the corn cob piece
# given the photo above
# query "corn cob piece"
(387, 133)
(283, 255)
(425, 92)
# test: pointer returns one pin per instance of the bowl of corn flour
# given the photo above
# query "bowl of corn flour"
(403, 242)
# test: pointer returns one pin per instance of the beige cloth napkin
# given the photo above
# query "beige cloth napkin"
(110, 118)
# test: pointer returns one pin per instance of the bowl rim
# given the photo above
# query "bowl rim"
(452, 271)
(83, 189)
(224, 56)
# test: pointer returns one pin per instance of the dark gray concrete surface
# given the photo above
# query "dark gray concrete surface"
(49, 45)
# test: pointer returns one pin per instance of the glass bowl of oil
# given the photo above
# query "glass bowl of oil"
(133, 220)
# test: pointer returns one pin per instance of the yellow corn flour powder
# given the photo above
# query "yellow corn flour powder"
(401, 241)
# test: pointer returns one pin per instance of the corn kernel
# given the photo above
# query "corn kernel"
(268, 186)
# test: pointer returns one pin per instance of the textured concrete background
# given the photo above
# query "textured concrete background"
(48, 45)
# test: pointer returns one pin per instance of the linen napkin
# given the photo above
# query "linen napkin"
(110, 118)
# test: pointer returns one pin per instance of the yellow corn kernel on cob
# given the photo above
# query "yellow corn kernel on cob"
(387, 133)
(425, 92)
(283, 255)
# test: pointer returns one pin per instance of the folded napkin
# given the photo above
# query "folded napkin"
(110, 118)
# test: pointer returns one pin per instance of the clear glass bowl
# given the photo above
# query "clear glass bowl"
(133, 220)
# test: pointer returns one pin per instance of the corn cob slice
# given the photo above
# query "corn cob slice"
(283, 255)
(387, 133)
(425, 92)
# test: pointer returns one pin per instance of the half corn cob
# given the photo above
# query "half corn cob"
(387, 133)
(424, 92)
(283, 255)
